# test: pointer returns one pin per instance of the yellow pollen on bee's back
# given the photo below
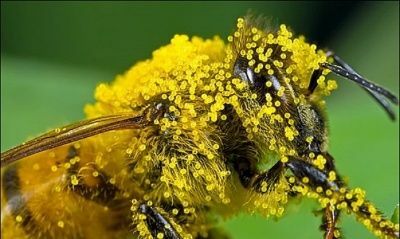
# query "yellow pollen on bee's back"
(60, 224)
(18, 218)
(74, 180)
(54, 168)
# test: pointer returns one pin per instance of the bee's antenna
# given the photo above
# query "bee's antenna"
(383, 102)
(379, 93)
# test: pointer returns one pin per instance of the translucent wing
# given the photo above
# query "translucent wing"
(72, 133)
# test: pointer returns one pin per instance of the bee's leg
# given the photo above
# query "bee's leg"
(318, 178)
(157, 224)
(329, 220)
(264, 182)
(333, 197)
(251, 178)
(100, 191)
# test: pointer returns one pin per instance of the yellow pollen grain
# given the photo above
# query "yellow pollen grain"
(60, 224)
(67, 165)
(160, 235)
(74, 180)
(57, 188)
(292, 180)
(142, 147)
(305, 180)
(18, 218)
(175, 211)
(309, 139)
(167, 194)
(112, 180)
(129, 150)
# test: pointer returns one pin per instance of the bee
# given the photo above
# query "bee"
(205, 129)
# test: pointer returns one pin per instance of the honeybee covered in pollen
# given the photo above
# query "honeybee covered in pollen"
(180, 137)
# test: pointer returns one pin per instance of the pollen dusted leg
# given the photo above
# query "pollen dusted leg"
(270, 177)
(334, 197)
(250, 178)
(156, 223)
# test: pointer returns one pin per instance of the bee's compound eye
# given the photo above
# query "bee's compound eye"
(244, 72)
(255, 81)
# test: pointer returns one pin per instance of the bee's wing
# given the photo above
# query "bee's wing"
(72, 133)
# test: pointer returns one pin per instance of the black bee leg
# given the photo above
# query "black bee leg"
(250, 178)
(306, 172)
(316, 177)
(245, 171)
(338, 197)
(264, 182)
(329, 221)
(157, 224)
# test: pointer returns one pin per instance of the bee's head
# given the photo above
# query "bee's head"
(284, 78)
(287, 116)
(275, 69)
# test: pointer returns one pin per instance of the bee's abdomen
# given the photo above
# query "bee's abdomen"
(51, 195)
(15, 206)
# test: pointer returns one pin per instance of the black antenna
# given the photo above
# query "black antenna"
(379, 93)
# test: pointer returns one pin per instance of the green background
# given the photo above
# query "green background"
(54, 54)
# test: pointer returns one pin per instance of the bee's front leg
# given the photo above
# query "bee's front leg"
(334, 196)
(149, 220)
(329, 221)
(317, 178)
(250, 178)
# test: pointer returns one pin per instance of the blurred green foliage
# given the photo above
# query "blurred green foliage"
(115, 35)
(54, 54)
